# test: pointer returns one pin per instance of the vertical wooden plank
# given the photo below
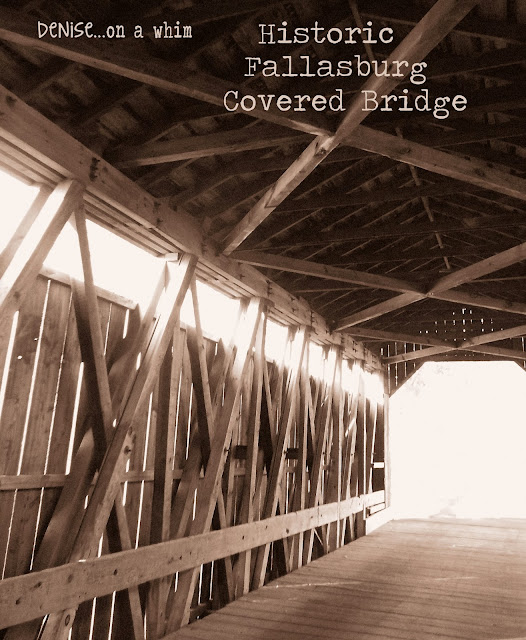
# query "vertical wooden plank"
(334, 481)
(15, 406)
(163, 470)
(278, 459)
(358, 480)
(249, 487)
(39, 425)
(304, 400)
(316, 474)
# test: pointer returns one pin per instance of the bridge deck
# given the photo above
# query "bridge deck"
(411, 579)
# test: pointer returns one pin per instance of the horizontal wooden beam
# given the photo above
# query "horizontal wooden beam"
(423, 339)
(466, 298)
(469, 345)
(473, 171)
(234, 141)
(32, 595)
(462, 297)
(405, 230)
(317, 270)
(472, 272)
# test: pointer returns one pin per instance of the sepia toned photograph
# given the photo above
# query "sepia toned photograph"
(262, 320)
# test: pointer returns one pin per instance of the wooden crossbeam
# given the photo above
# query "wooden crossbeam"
(459, 297)
(68, 585)
(16, 28)
(8, 253)
(484, 267)
(424, 339)
(473, 171)
(442, 288)
(234, 141)
(435, 25)
(316, 269)
(470, 345)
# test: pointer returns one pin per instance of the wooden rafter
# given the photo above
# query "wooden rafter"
(473, 171)
(423, 339)
(307, 267)
(234, 141)
(472, 344)
(437, 23)
(17, 29)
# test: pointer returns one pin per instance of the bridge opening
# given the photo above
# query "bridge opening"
(458, 435)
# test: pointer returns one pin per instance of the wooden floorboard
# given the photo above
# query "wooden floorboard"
(408, 580)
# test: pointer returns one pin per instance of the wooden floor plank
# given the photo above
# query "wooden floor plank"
(408, 580)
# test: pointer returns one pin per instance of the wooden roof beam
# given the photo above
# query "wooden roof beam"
(234, 141)
(16, 28)
(392, 336)
(407, 230)
(473, 171)
(482, 28)
(305, 267)
(459, 297)
(468, 345)
(484, 267)
(433, 27)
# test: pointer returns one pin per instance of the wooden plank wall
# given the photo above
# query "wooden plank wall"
(297, 441)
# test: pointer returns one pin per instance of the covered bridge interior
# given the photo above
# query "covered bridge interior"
(159, 465)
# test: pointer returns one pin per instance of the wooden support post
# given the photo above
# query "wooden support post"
(275, 473)
(249, 488)
(322, 427)
(358, 479)
(163, 473)
(334, 482)
(300, 476)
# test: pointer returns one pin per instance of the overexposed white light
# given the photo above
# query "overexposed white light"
(218, 313)
(275, 341)
(118, 265)
(17, 197)
(458, 436)
(374, 386)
